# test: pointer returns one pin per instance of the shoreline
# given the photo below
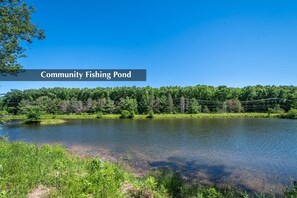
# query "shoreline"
(156, 116)
(82, 155)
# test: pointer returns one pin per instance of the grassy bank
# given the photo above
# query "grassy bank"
(46, 121)
(27, 169)
(156, 116)
(50, 171)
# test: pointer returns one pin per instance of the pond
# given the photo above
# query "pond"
(254, 154)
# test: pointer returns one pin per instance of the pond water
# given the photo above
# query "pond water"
(253, 154)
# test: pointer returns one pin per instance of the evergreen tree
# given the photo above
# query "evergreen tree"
(194, 106)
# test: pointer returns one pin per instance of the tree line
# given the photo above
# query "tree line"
(143, 100)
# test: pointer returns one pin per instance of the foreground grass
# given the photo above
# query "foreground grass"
(156, 116)
(50, 171)
(26, 167)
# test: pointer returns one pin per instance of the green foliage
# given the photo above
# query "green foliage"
(209, 193)
(171, 181)
(150, 115)
(205, 109)
(24, 167)
(125, 114)
(99, 115)
(291, 191)
(3, 117)
(194, 107)
(163, 100)
(270, 111)
(33, 113)
(132, 114)
(16, 28)
(292, 114)
(278, 109)
(233, 106)
(128, 104)
(170, 105)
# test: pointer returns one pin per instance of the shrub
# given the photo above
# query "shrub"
(99, 115)
(209, 193)
(233, 106)
(270, 111)
(194, 107)
(205, 109)
(132, 114)
(32, 112)
(292, 114)
(278, 109)
(150, 115)
(3, 117)
(125, 114)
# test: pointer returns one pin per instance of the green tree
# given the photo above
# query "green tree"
(252, 99)
(205, 109)
(3, 117)
(193, 106)
(170, 105)
(32, 112)
(233, 106)
(126, 114)
(109, 106)
(128, 104)
(16, 28)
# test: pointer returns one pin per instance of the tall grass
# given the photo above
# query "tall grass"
(24, 167)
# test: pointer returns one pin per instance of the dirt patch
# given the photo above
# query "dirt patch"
(39, 192)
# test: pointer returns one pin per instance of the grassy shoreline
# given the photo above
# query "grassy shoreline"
(51, 171)
(156, 116)
(45, 122)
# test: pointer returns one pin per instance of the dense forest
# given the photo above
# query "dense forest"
(142, 100)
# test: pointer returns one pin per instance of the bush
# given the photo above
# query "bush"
(32, 112)
(205, 109)
(99, 115)
(209, 193)
(292, 114)
(125, 114)
(3, 117)
(233, 106)
(150, 115)
(278, 109)
(132, 114)
(270, 111)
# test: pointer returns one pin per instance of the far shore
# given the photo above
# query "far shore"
(156, 116)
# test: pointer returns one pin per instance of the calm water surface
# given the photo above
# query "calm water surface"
(254, 154)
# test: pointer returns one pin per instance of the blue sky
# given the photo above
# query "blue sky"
(216, 42)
